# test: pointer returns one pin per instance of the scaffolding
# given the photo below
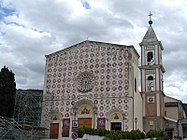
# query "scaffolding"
(12, 130)
(28, 107)
(27, 117)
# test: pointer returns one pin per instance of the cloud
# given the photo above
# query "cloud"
(175, 86)
(31, 29)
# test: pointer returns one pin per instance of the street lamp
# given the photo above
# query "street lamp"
(124, 118)
(74, 112)
(155, 124)
(136, 120)
(95, 112)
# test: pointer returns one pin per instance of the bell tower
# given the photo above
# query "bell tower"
(152, 71)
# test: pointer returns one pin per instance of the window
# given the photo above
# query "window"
(150, 83)
(150, 57)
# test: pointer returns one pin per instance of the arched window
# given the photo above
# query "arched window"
(149, 57)
(150, 83)
(150, 78)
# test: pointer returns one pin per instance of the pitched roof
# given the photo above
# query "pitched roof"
(150, 36)
(94, 42)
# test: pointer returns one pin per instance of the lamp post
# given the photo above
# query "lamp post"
(124, 118)
(155, 124)
(95, 112)
(74, 112)
(136, 121)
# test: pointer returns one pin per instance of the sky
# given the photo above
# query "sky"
(31, 29)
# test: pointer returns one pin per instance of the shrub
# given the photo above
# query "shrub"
(112, 135)
(126, 135)
(91, 131)
(105, 138)
(117, 135)
(102, 132)
(81, 132)
(135, 135)
(152, 133)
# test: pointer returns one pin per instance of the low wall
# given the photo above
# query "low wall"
(93, 137)
(85, 137)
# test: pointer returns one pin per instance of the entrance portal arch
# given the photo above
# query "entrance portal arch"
(115, 120)
(85, 114)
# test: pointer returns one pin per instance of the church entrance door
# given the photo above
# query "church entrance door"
(85, 122)
(116, 126)
(54, 130)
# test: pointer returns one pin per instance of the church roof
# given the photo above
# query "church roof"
(93, 42)
(150, 36)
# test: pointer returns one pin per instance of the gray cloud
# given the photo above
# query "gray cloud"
(33, 29)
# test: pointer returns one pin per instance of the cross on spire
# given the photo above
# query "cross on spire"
(150, 14)
(150, 21)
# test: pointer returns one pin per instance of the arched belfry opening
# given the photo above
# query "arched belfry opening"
(149, 57)
(150, 83)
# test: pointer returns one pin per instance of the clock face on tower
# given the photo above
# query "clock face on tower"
(85, 82)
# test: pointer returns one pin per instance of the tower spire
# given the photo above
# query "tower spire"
(151, 71)
(150, 21)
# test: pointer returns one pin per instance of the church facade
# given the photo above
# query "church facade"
(96, 84)
(92, 84)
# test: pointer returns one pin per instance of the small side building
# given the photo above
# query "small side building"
(174, 113)
(182, 125)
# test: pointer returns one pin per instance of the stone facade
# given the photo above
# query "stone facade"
(93, 84)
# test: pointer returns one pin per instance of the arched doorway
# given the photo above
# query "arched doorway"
(115, 120)
(84, 114)
(54, 118)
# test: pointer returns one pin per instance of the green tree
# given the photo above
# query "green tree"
(7, 92)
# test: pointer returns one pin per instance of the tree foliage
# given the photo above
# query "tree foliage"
(7, 92)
